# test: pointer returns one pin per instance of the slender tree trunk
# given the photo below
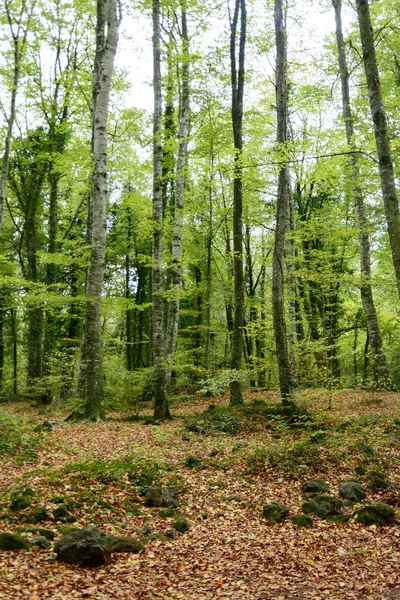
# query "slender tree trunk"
(92, 354)
(19, 35)
(210, 234)
(375, 339)
(386, 171)
(282, 208)
(237, 87)
(161, 410)
(15, 351)
(176, 254)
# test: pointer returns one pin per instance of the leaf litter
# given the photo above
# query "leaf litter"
(230, 551)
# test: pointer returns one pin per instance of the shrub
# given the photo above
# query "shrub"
(224, 419)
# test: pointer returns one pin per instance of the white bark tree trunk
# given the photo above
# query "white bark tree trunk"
(176, 253)
(91, 364)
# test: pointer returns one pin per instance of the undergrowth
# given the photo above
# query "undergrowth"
(18, 438)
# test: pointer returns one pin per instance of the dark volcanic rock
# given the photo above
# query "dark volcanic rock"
(87, 547)
(275, 513)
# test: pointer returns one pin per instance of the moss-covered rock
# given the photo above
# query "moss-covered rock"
(13, 541)
(21, 498)
(275, 513)
(87, 547)
(315, 486)
(377, 513)
(352, 490)
(125, 544)
(66, 529)
(182, 525)
(167, 512)
(302, 521)
(322, 506)
(378, 481)
(47, 533)
(154, 497)
(62, 513)
(153, 537)
(338, 519)
(41, 542)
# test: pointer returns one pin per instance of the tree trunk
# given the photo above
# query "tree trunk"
(161, 410)
(282, 208)
(176, 254)
(388, 184)
(106, 46)
(374, 335)
(237, 87)
(19, 36)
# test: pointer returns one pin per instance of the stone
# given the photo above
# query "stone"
(171, 534)
(378, 481)
(168, 512)
(360, 470)
(338, 519)
(170, 498)
(186, 437)
(302, 521)
(315, 486)
(88, 547)
(12, 541)
(322, 506)
(66, 529)
(47, 533)
(182, 525)
(125, 544)
(21, 499)
(275, 513)
(41, 542)
(352, 490)
(153, 537)
(239, 446)
(378, 513)
(61, 513)
(154, 497)
(145, 530)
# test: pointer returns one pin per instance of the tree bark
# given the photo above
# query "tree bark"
(282, 208)
(19, 36)
(176, 253)
(382, 377)
(92, 383)
(161, 409)
(386, 171)
(237, 88)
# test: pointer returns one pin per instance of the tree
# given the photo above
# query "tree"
(237, 91)
(381, 373)
(377, 107)
(282, 209)
(176, 251)
(161, 409)
(91, 380)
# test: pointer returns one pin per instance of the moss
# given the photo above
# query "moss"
(378, 513)
(182, 525)
(12, 541)
(275, 513)
(302, 521)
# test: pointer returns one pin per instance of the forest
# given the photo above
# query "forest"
(199, 299)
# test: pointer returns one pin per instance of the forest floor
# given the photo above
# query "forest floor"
(225, 469)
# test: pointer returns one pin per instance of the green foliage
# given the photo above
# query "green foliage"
(216, 384)
(217, 419)
(19, 438)
(140, 472)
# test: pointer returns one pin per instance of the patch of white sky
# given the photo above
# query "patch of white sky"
(309, 24)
